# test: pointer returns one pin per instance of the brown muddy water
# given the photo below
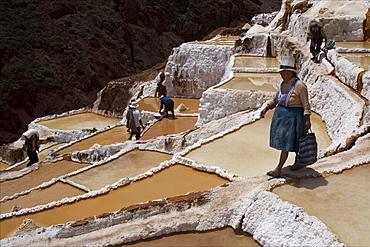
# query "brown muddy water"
(341, 201)
(45, 173)
(221, 237)
(80, 121)
(114, 135)
(52, 193)
(173, 181)
(267, 82)
(128, 165)
(152, 104)
(246, 152)
(168, 126)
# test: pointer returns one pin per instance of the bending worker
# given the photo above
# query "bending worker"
(168, 105)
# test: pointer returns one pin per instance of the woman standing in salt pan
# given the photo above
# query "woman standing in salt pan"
(292, 114)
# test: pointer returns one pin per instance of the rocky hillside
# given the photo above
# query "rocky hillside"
(56, 55)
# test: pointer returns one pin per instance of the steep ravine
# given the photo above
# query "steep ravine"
(57, 55)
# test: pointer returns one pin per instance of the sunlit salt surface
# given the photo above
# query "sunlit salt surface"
(256, 62)
(341, 201)
(52, 193)
(114, 135)
(268, 82)
(45, 173)
(353, 44)
(173, 181)
(128, 165)
(170, 126)
(42, 155)
(246, 152)
(152, 104)
(223, 237)
(360, 59)
(80, 121)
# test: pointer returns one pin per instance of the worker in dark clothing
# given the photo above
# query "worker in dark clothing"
(32, 145)
(317, 34)
(167, 104)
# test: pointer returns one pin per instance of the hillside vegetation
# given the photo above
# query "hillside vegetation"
(56, 55)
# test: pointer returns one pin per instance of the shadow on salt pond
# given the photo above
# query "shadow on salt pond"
(341, 201)
(220, 237)
(318, 181)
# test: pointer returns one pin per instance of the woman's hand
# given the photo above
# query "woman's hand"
(308, 122)
(263, 112)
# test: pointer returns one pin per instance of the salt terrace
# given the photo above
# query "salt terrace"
(202, 174)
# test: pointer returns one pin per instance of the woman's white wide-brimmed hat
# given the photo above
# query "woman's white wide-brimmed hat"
(133, 105)
(287, 63)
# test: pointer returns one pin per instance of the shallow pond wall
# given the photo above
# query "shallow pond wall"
(347, 72)
(219, 103)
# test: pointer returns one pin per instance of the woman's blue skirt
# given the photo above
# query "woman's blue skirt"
(287, 126)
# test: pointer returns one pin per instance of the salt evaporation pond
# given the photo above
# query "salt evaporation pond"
(173, 181)
(152, 104)
(80, 121)
(339, 200)
(256, 62)
(353, 44)
(267, 82)
(360, 59)
(45, 173)
(170, 126)
(246, 152)
(129, 165)
(222, 237)
(111, 136)
(52, 193)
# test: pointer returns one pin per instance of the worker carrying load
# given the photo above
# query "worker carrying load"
(32, 145)
(317, 35)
